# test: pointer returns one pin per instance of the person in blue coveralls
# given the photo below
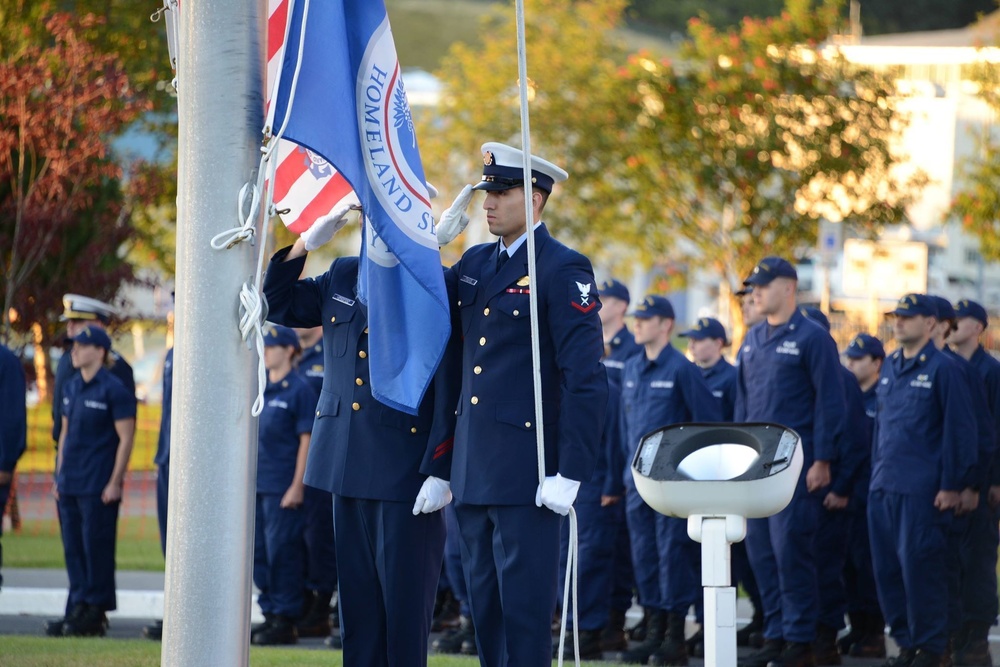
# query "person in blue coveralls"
(599, 508)
(661, 387)
(321, 555)
(849, 471)
(13, 426)
(387, 470)
(283, 435)
(619, 346)
(789, 373)
(979, 589)
(864, 357)
(706, 339)
(79, 312)
(921, 462)
(509, 522)
(95, 442)
(963, 566)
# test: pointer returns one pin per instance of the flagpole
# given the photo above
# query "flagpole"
(213, 443)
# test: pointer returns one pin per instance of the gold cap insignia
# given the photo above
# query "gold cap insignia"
(488, 158)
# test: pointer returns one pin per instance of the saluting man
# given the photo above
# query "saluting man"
(789, 373)
(375, 461)
(509, 522)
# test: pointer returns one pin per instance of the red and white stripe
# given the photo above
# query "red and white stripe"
(306, 187)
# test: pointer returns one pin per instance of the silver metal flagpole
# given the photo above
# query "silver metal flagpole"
(213, 437)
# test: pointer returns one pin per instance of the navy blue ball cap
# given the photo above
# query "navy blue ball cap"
(613, 288)
(969, 308)
(654, 305)
(746, 291)
(770, 268)
(945, 311)
(503, 169)
(706, 327)
(912, 305)
(275, 334)
(91, 335)
(865, 345)
(816, 315)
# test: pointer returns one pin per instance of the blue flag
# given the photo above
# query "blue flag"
(350, 107)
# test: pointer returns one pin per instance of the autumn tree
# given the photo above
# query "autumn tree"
(63, 212)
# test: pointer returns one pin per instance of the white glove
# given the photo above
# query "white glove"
(454, 220)
(323, 229)
(557, 493)
(434, 494)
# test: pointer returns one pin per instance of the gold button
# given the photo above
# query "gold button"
(486, 311)
(516, 313)
(366, 329)
(475, 400)
(356, 406)
(477, 370)
(527, 424)
(413, 429)
(359, 382)
(482, 341)
(333, 319)
(362, 354)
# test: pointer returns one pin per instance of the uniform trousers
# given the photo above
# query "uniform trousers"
(4, 495)
(782, 553)
(453, 560)
(831, 555)
(910, 553)
(623, 577)
(279, 556)
(598, 527)
(389, 563)
(89, 529)
(665, 559)
(979, 548)
(321, 554)
(162, 487)
(859, 578)
(510, 557)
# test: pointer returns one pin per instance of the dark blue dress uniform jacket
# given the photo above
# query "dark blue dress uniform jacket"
(922, 442)
(13, 417)
(796, 382)
(360, 448)
(495, 447)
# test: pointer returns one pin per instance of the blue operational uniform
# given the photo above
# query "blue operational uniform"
(321, 554)
(13, 425)
(279, 534)
(657, 393)
(162, 458)
(65, 372)
(373, 459)
(921, 448)
(790, 375)
(89, 447)
(510, 546)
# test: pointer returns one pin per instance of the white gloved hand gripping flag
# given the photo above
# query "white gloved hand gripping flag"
(349, 106)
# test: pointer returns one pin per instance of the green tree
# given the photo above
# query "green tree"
(977, 204)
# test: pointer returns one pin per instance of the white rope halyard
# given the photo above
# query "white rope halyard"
(253, 306)
(572, 555)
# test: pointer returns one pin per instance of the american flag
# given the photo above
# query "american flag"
(306, 186)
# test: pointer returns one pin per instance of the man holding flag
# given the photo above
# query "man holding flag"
(510, 523)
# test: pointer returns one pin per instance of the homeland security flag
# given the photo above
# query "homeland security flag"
(351, 109)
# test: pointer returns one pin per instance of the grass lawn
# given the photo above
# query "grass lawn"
(39, 545)
(46, 652)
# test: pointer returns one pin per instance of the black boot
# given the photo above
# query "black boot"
(696, 644)
(771, 650)
(91, 622)
(451, 641)
(904, 659)
(872, 641)
(925, 659)
(268, 620)
(280, 631)
(796, 654)
(859, 626)
(153, 631)
(975, 650)
(751, 633)
(825, 646)
(673, 650)
(446, 612)
(656, 631)
(315, 622)
(638, 633)
(590, 646)
(613, 636)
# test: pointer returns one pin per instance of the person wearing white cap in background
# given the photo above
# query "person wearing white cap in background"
(509, 523)
(78, 313)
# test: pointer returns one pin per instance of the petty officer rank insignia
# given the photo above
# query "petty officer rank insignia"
(582, 300)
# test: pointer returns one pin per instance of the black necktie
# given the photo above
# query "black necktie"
(502, 259)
